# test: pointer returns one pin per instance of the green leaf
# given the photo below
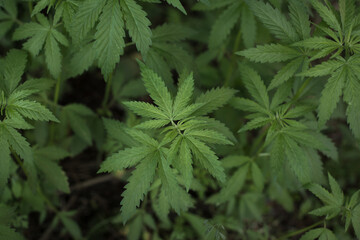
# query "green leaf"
(188, 111)
(257, 176)
(218, 126)
(184, 94)
(336, 190)
(347, 11)
(141, 137)
(71, 226)
(17, 142)
(328, 211)
(52, 153)
(254, 123)
(176, 195)
(312, 234)
(274, 20)
(152, 124)
(223, 25)
(77, 115)
(175, 56)
(326, 14)
(300, 18)
(146, 110)
(323, 194)
(322, 69)
(352, 98)
(138, 24)
(124, 159)
(177, 4)
(248, 105)
(331, 95)
(170, 32)
(86, 17)
(355, 219)
(209, 136)
(318, 43)
(138, 186)
(15, 63)
(9, 234)
(278, 155)
(38, 34)
(255, 85)
(232, 187)
(6, 214)
(82, 60)
(248, 26)
(269, 53)
(53, 174)
(207, 158)
(184, 164)
(109, 37)
(286, 73)
(41, 5)
(155, 86)
(33, 110)
(297, 160)
(214, 99)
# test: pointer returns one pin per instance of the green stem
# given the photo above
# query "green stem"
(18, 160)
(291, 234)
(176, 127)
(57, 91)
(30, 7)
(233, 59)
(258, 140)
(18, 21)
(129, 44)
(107, 91)
(55, 104)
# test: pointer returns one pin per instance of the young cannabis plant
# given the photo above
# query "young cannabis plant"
(336, 39)
(182, 136)
(341, 44)
(334, 205)
(15, 107)
(292, 141)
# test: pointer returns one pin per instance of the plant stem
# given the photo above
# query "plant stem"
(55, 103)
(233, 59)
(291, 234)
(257, 142)
(18, 160)
(176, 127)
(57, 91)
(30, 7)
(107, 91)
(129, 44)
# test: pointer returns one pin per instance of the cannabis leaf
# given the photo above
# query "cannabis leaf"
(39, 34)
(184, 137)
(6, 216)
(289, 138)
(334, 206)
(8, 16)
(14, 107)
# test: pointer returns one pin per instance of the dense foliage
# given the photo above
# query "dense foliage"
(208, 119)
